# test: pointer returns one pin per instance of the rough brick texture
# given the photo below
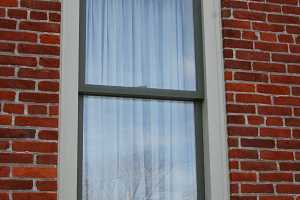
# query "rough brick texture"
(29, 84)
(262, 72)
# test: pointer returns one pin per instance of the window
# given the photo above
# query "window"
(140, 90)
(152, 96)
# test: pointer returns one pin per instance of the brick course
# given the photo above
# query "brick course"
(29, 84)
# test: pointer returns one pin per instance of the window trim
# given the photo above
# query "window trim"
(215, 145)
(196, 97)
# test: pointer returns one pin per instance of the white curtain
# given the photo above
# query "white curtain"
(140, 43)
(138, 150)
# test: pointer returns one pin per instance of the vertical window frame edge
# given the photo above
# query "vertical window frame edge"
(196, 97)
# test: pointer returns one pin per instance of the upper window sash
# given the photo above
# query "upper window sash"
(142, 91)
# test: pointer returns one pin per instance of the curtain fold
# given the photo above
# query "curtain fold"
(140, 43)
(138, 150)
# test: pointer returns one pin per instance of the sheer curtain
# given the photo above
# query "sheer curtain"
(139, 149)
(140, 43)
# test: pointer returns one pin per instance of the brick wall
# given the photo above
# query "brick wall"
(262, 70)
(29, 82)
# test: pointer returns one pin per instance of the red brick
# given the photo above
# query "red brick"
(235, 176)
(37, 109)
(292, 122)
(289, 166)
(46, 185)
(41, 5)
(5, 120)
(264, 7)
(38, 49)
(4, 196)
(17, 84)
(274, 121)
(249, 35)
(38, 73)
(49, 62)
(235, 119)
(294, 69)
(8, 3)
(239, 14)
(286, 58)
(275, 132)
(268, 37)
(289, 2)
(48, 86)
(276, 155)
(7, 95)
(231, 33)
(242, 131)
(254, 77)
(260, 26)
(257, 188)
(260, 166)
(274, 110)
(38, 97)
(34, 196)
(47, 159)
(235, 108)
(40, 26)
(285, 38)
(243, 153)
(293, 29)
(288, 144)
(7, 47)
(287, 101)
(4, 145)
(12, 184)
(16, 133)
(230, 43)
(48, 135)
(18, 36)
(17, 60)
(38, 15)
(276, 177)
(273, 89)
(34, 172)
(234, 4)
(36, 121)
(255, 120)
(253, 98)
(54, 17)
(252, 55)
(260, 143)
(43, 147)
(7, 71)
(13, 108)
(4, 171)
(17, 13)
(236, 64)
(50, 39)
(230, 23)
(283, 19)
(16, 158)
(288, 188)
(8, 23)
(271, 47)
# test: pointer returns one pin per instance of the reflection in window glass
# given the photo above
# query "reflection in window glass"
(138, 150)
(140, 43)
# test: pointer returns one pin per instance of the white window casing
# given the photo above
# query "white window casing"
(214, 112)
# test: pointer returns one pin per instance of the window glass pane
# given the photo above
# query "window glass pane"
(140, 43)
(138, 150)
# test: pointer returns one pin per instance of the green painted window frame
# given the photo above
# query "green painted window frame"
(196, 97)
